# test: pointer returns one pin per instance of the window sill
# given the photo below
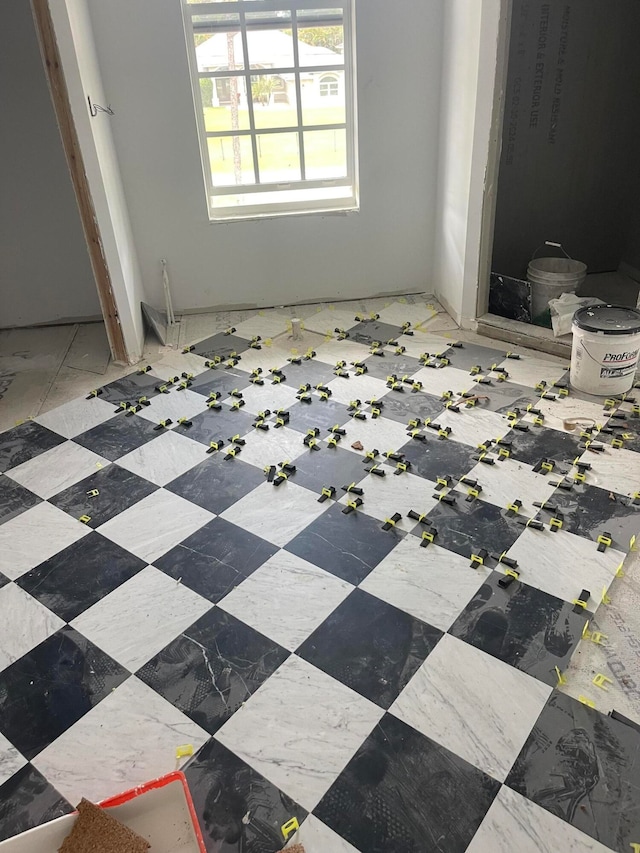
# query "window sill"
(273, 214)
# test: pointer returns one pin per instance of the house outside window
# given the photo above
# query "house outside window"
(273, 85)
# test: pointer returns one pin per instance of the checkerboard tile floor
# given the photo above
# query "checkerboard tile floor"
(351, 588)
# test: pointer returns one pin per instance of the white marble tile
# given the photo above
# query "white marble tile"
(316, 837)
(563, 564)
(357, 388)
(267, 324)
(126, 740)
(384, 496)
(514, 823)
(431, 583)
(273, 447)
(438, 380)
(34, 536)
(25, 624)
(10, 759)
(333, 351)
(175, 363)
(276, 513)
(259, 398)
(300, 729)
(264, 358)
(528, 370)
(313, 592)
(174, 405)
(326, 320)
(441, 322)
(473, 704)
(155, 524)
(141, 617)
(569, 410)
(57, 469)
(75, 417)
(163, 459)
(420, 342)
(381, 434)
(509, 480)
(398, 313)
(614, 470)
(474, 426)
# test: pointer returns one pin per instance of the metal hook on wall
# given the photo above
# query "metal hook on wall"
(94, 109)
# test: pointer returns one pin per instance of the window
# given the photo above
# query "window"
(273, 84)
(329, 86)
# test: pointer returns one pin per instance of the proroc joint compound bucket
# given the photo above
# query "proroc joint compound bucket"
(604, 355)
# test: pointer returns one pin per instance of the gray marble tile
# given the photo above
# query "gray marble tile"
(457, 698)
(25, 623)
(514, 823)
(117, 757)
(432, 584)
(155, 524)
(258, 599)
(303, 745)
(140, 617)
(57, 469)
(77, 416)
(275, 514)
(34, 536)
(164, 458)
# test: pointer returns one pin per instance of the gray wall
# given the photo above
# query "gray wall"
(569, 169)
(45, 273)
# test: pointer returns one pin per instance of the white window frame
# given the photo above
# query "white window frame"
(332, 85)
(346, 187)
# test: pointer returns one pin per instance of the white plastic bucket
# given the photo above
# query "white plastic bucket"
(604, 355)
(549, 279)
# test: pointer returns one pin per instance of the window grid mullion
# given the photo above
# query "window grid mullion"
(285, 70)
(296, 62)
(216, 134)
(252, 121)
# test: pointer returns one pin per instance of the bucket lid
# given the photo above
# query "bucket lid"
(608, 319)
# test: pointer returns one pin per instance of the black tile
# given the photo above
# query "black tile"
(404, 407)
(14, 499)
(583, 767)
(369, 331)
(118, 489)
(214, 425)
(313, 372)
(522, 626)
(216, 484)
(349, 546)
(80, 575)
(324, 415)
(130, 388)
(632, 428)
(390, 363)
(503, 397)
(466, 526)
(49, 689)
(225, 790)
(212, 668)
(541, 443)
(221, 345)
(590, 511)
(220, 379)
(3, 580)
(329, 467)
(403, 793)
(469, 355)
(24, 442)
(28, 800)
(370, 646)
(434, 458)
(118, 436)
(216, 558)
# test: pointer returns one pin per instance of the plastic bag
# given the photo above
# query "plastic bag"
(563, 309)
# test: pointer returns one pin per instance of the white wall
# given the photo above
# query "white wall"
(45, 275)
(83, 78)
(470, 47)
(385, 247)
